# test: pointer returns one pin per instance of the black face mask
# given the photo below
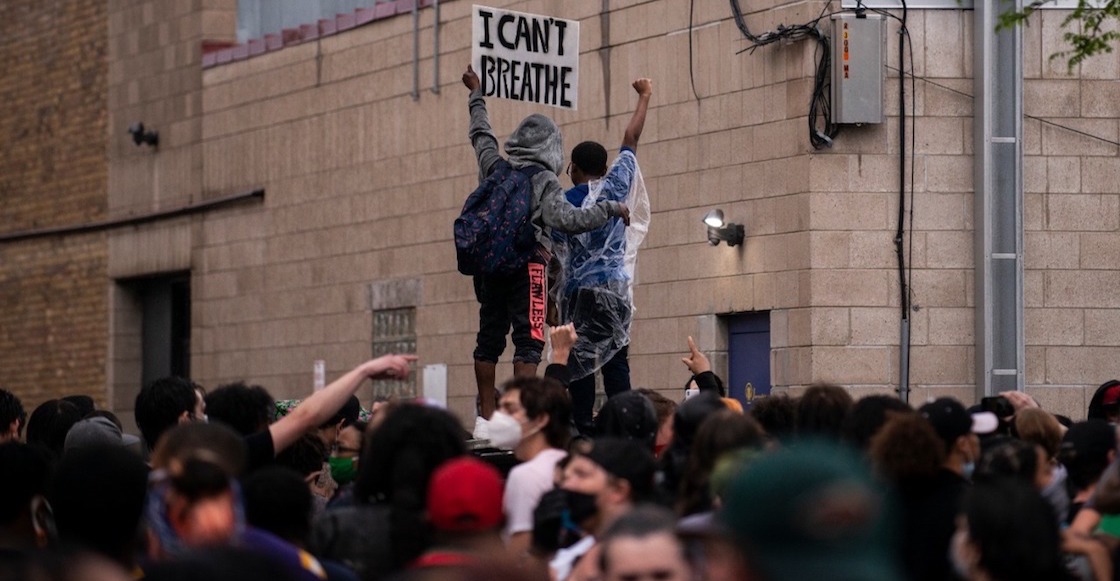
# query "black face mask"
(558, 518)
(580, 507)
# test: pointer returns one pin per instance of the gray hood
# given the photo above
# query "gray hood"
(536, 140)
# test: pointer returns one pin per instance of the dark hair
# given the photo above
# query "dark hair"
(1097, 409)
(868, 416)
(822, 409)
(722, 432)
(245, 408)
(686, 422)
(661, 404)
(1007, 457)
(112, 417)
(642, 521)
(400, 454)
(159, 405)
(305, 455)
(629, 415)
(216, 443)
(49, 424)
(25, 470)
(1084, 452)
(777, 413)
(543, 396)
(347, 414)
(83, 402)
(201, 479)
(278, 500)
(591, 158)
(398, 458)
(98, 497)
(11, 409)
(906, 449)
(1015, 531)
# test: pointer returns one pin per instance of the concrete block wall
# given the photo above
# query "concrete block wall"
(363, 183)
(154, 78)
(1072, 221)
(53, 305)
(155, 54)
(852, 325)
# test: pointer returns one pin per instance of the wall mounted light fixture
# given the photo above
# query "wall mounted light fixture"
(718, 230)
(140, 136)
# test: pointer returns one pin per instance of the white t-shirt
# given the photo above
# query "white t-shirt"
(526, 484)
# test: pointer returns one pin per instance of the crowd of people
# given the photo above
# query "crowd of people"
(230, 484)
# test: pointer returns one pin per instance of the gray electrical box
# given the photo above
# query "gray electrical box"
(858, 67)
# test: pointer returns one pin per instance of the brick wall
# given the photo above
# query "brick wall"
(53, 300)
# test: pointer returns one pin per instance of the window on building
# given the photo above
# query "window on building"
(394, 331)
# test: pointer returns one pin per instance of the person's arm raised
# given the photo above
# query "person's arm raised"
(644, 88)
(323, 404)
(481, 135)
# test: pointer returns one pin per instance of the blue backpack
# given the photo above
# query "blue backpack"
(494, 232)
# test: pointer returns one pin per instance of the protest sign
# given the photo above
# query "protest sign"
(526, 57)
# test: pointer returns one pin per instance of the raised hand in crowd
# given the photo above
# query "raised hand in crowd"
(696, 361)
(562, 338)
(1019, 400)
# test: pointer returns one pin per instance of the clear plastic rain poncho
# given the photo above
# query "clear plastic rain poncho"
(595, 287)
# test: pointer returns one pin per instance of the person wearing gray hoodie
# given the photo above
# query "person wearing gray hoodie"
(507, 300)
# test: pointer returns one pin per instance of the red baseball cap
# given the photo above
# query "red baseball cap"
(1111, 395)
(465, 495)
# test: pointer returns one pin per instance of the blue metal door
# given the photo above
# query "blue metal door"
(748, 355)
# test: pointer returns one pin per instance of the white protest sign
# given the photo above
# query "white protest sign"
(526, 57)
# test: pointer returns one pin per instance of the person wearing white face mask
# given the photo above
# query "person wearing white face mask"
(533, 420)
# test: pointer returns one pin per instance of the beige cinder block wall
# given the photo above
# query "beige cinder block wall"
(1071, 219)
(155, 78)
(363, 183)
(1072, 222)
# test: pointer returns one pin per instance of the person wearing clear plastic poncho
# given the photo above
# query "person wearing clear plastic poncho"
(594, 291)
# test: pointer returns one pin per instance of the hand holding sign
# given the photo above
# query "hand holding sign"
(526, 57)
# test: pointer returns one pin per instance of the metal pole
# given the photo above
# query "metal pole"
(435, 49)
(415, 50)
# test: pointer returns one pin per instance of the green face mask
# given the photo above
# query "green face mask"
(343, 470)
